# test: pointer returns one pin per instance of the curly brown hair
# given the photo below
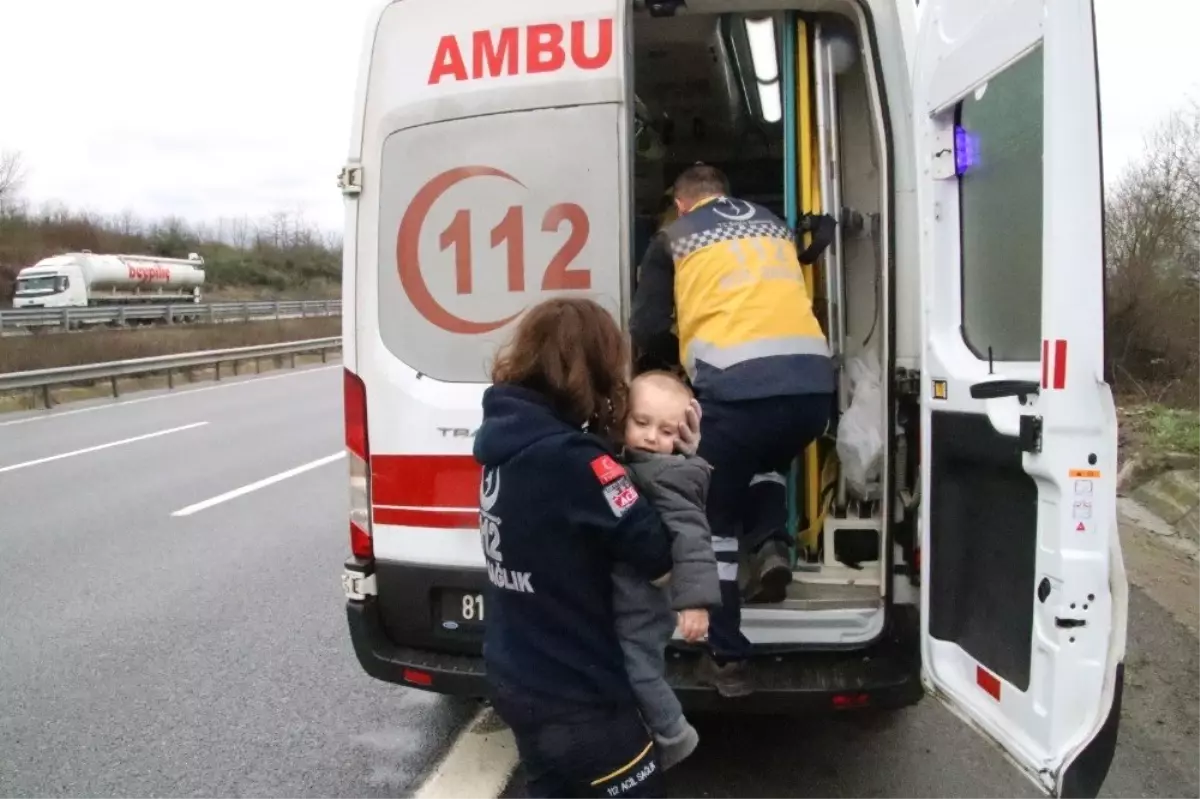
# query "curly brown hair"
(572, 352)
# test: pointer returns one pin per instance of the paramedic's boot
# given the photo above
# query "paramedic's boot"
(771, 576)
(731, 680)
(675, 748)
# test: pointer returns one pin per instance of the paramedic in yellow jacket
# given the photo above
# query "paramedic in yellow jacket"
(726, 274)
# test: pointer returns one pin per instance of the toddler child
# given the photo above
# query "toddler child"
(664, 466)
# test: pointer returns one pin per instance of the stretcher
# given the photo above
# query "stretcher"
(808, 145)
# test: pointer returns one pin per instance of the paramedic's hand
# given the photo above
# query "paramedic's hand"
(693, 624)
(689, 430)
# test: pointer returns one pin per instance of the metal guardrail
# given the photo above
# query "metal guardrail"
(44, 380)
(122, 315)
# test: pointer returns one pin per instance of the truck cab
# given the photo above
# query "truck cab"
(55, 282)
(955, 530)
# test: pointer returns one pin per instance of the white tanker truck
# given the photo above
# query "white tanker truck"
(81, 279)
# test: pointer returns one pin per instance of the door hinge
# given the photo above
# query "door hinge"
(908, 382)
(944, 162)
(350, 180)
(1030, 434)
(664, 8)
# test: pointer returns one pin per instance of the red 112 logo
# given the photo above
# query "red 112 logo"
(509, 232)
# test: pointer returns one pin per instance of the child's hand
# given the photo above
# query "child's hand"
(689, 430)
(693, 623)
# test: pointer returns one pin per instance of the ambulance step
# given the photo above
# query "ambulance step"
(808, 681)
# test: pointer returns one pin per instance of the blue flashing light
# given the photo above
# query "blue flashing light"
(966, 150)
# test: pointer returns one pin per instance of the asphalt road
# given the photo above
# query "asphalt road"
(146, 653)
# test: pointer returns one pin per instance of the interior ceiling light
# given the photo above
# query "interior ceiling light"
(761, 35)
(772, 104)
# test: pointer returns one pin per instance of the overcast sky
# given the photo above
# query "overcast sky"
(223, 108)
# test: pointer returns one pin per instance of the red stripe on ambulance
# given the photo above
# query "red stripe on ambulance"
(422, 517)
(1054, 364)
(495, 53)
(438, 491)
(425, 481)
(1060, 364)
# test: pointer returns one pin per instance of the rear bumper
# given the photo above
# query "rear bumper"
(885, 675)
(380, 657)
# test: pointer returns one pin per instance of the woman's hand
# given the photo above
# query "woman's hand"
(689, 430)
(693, 623)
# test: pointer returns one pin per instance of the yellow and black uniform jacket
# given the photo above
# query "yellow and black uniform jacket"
(726, 274)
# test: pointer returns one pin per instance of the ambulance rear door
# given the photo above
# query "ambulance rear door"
(1023, 588)
(492, 176)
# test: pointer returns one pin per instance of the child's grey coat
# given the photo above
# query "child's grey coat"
(677, 486)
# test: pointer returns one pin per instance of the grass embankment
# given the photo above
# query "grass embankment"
(1155, 429)
(23, 353)
(1155, 438)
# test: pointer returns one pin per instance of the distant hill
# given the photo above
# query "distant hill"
(278, 257)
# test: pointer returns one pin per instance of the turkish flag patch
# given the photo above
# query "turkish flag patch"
(606, 469)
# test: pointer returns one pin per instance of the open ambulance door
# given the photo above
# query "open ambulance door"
(1023, 592)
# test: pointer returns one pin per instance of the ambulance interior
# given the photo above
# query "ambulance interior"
(780, 101)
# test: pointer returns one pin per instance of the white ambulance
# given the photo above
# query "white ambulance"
(956, 532)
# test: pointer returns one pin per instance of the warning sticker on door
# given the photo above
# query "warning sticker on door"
(1082, 509)
(1093, 474)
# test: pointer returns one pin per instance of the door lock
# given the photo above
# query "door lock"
(1030, 434)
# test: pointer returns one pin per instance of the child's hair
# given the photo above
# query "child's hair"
(666, 379)
(572, 352)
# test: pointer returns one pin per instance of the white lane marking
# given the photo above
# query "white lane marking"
(99, 447)
(479, 763)
(266, 481)
(178, 392)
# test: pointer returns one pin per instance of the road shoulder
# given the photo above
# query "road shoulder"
(1167, 574)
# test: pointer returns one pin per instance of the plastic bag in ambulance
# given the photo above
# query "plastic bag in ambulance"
(859, 433)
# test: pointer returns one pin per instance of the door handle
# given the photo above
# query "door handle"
(1068, 623)
(994, 389)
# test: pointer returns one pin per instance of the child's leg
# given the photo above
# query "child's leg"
(643, 640)
(645, 623)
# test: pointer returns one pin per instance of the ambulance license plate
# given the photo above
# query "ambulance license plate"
(462, 610)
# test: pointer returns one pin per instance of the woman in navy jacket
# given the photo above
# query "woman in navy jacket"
(556, 512)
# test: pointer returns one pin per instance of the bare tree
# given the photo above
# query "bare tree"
(240, 233)
(1153, 264)
(127, 224)
(12, 176)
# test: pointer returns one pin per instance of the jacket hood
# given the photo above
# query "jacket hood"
(514, 418)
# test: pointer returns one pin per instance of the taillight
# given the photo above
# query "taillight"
(417, 677)
(846, 701)
(354, 397)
